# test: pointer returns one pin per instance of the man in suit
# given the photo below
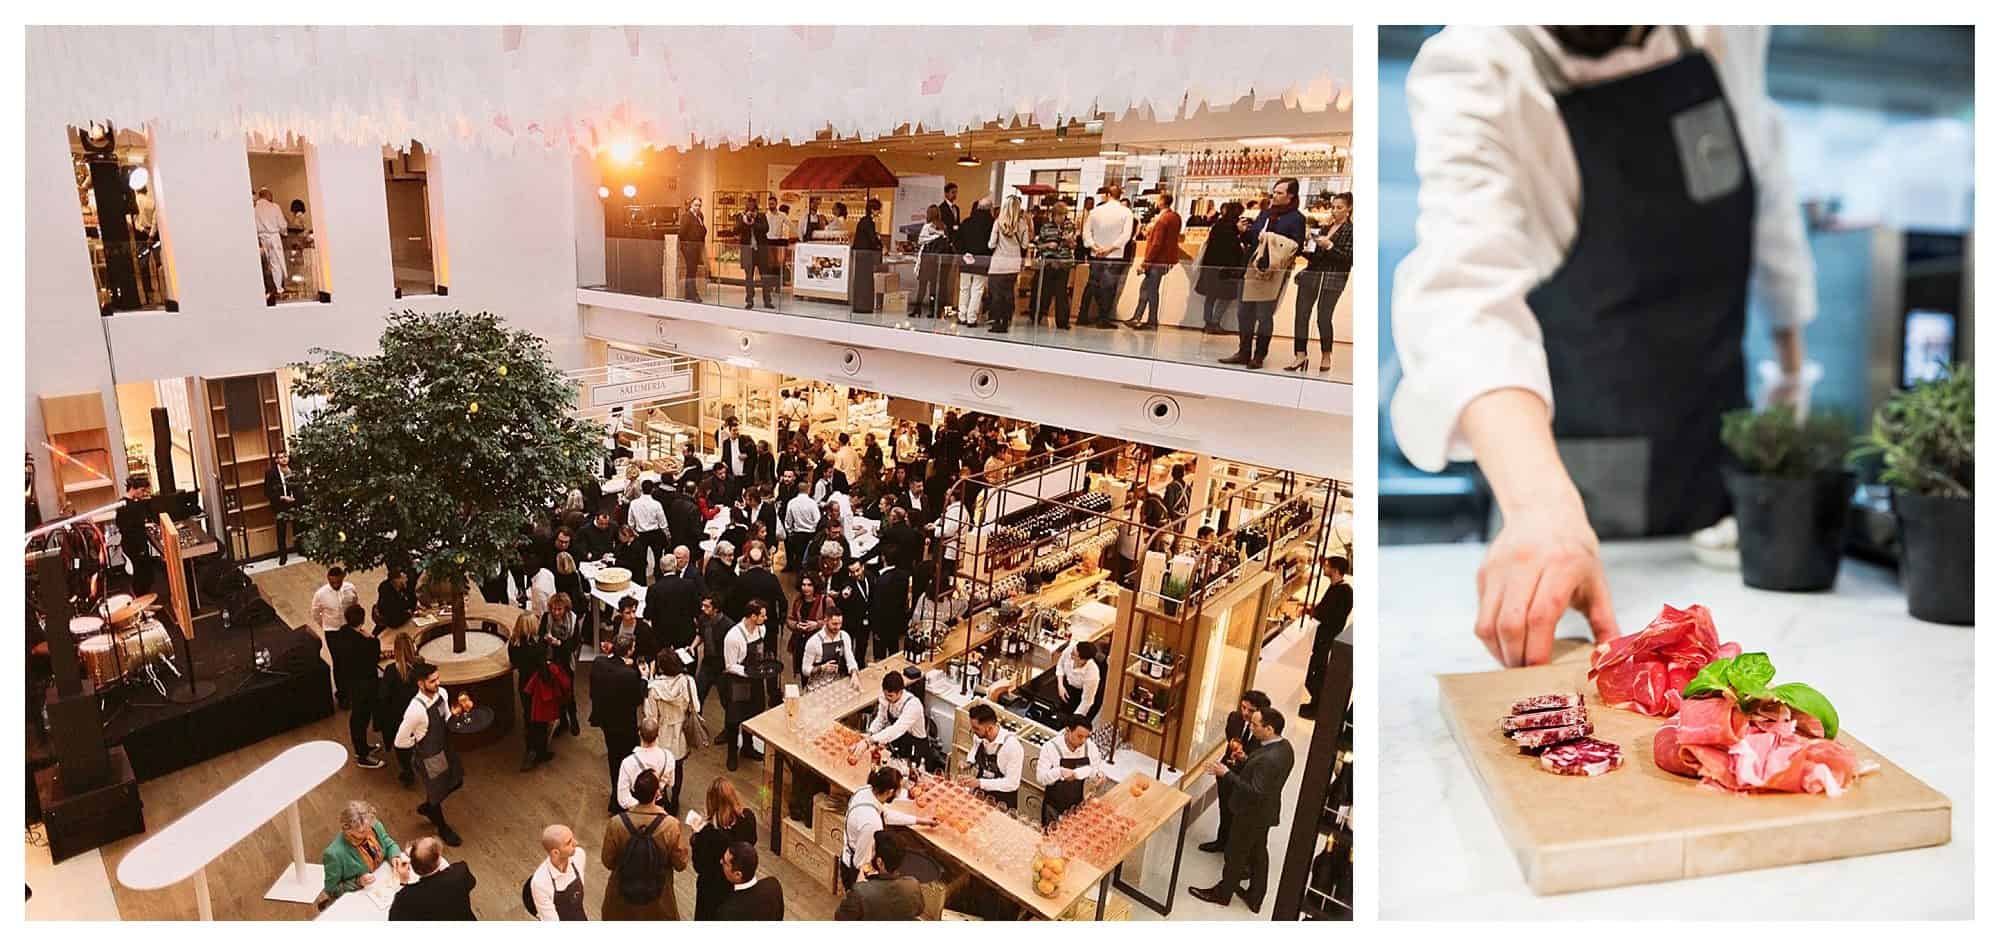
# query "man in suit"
(886, 893)
(1257, 789)
(434, 889)
(683, 515)
(1331, 615)
(283, 494)
(899, 542)
(854, 594)
(738, 452)
(750, 897)
(889, 617)
(753, 244)
(597, 538)
(756, 583)
(616, 690)
(673, 600)
(1237, 729)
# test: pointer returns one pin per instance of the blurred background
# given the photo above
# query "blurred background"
(1880, 139)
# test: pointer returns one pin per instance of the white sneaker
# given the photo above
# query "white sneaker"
(1716, 546)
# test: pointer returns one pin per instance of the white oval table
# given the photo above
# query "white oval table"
(190, 844)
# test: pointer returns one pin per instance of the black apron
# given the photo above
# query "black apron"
(1643, 321)
(986, 764)
(436, 762)
(908, 745)
(835, 651)
(748, 692)
(569, 900)
(1065, 793)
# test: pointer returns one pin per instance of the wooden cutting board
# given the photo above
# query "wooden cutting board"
(1640, 824)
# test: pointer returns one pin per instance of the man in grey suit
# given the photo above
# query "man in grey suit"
(1256, 793)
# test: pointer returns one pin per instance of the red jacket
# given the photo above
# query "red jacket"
(1163, 240)
(548, 692)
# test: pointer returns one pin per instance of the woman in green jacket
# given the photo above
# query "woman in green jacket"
(363, 844)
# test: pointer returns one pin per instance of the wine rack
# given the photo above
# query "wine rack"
(1317, 881)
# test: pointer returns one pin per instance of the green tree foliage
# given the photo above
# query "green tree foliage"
(434, 451)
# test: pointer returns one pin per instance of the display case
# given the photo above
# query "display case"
(247, 422)
(748, 394)
(1317, 880)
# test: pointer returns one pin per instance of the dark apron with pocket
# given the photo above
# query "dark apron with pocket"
(1643, 322)
(436, 762)
(986, 764)
(1065, 793)
(835, 652)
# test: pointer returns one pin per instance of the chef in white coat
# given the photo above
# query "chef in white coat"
(1595, 206)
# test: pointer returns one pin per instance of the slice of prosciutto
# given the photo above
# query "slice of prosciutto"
(1768, 750)
(1645, 672)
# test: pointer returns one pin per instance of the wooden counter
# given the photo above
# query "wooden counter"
(1159, 804)
(470, 668)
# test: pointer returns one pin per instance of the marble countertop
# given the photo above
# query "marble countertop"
(1904, 686)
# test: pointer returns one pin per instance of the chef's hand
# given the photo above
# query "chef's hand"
(1544, 562)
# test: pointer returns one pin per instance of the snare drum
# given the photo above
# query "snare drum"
(100, 659)
(84, 626)
(153, 642)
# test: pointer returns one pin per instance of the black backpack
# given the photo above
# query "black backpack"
(642, 867)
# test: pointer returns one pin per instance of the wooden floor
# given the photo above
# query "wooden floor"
(500, 812)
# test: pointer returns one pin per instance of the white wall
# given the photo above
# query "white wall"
(508, 232)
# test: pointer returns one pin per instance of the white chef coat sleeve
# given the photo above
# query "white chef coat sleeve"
(1048, 766)
(1782, 276)
(734, 648)
(542, 888)
(416, 724)
(865, 822)
(892, 816)
(906, 720)
(847, 649)
(815, 652)
(1460, 315)
(1095, 759)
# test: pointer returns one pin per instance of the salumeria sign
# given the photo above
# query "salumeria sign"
(643, 389)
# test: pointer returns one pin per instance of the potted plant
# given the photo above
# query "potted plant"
(1924, 439)
(1172, 590)
(1790, 493)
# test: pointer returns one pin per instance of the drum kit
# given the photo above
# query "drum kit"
(122, 643)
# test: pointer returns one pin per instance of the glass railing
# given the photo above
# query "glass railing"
(1189, 314)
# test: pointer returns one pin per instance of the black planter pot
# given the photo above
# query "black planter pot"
(1937, 556)
(1789, 530)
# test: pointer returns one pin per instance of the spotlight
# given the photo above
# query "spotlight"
(630, 190)
(624, 150)
(139, 178)
(603, 192)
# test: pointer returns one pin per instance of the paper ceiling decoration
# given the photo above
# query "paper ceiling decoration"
(497, 86)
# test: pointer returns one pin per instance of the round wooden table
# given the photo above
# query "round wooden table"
(482, 671)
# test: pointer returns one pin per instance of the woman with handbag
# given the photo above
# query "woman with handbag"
(671, 703)
(1220, 277)
(866, 254)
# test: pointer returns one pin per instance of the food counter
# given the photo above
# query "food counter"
(1902, 685)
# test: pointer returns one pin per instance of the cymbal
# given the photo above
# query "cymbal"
(132, 611)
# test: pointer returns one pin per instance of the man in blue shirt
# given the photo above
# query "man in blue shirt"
(1264, 280)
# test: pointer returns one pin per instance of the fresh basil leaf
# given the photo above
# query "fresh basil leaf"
(1811, 702)
(1749, 674)
(1711, 679)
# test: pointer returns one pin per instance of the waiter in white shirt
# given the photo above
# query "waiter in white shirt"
(899, 721)
(743, 696)
(271, 242)
(831, 650)
(1594, 202)
(423, 732)
(1066, 767)
(1077, 677)
(556, 887)
(649, 520)
(995, 758)
(868, 812)
(329, 609)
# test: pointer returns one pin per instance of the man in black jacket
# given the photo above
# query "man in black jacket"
(283, 494)
(683, 515)
(434, 889)
(756, 583)
(597, 538)
(750, 897)
(673, 600)
(1331, 615)
(616, 690)
(753, 242)
(854, 594)
(1237, 729)
(355, 653)
(1257, 791)
(899, 543)
(889, 617)
(395, 599)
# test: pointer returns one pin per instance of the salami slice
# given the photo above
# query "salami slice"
(1546, 702)
(1585, 757)
(1545, 719)
(1534, 740)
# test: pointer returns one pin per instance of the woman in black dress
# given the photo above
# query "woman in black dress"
(729, 821)
(392, 697)
(867, 253)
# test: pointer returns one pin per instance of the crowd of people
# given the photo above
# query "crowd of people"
(979, 266)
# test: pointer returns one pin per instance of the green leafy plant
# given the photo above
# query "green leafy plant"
(1924, 437)
(433, 451)
(1746, 678)
(1774, 442)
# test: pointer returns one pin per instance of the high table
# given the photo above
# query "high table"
(784, 745)
(1903, 685)
(189, 845)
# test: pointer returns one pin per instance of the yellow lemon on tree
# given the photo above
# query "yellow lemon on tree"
(472, 408)
(503, 371)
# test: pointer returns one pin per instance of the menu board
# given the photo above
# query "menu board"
(820, 269)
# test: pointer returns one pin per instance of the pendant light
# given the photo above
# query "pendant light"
(966, 160)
